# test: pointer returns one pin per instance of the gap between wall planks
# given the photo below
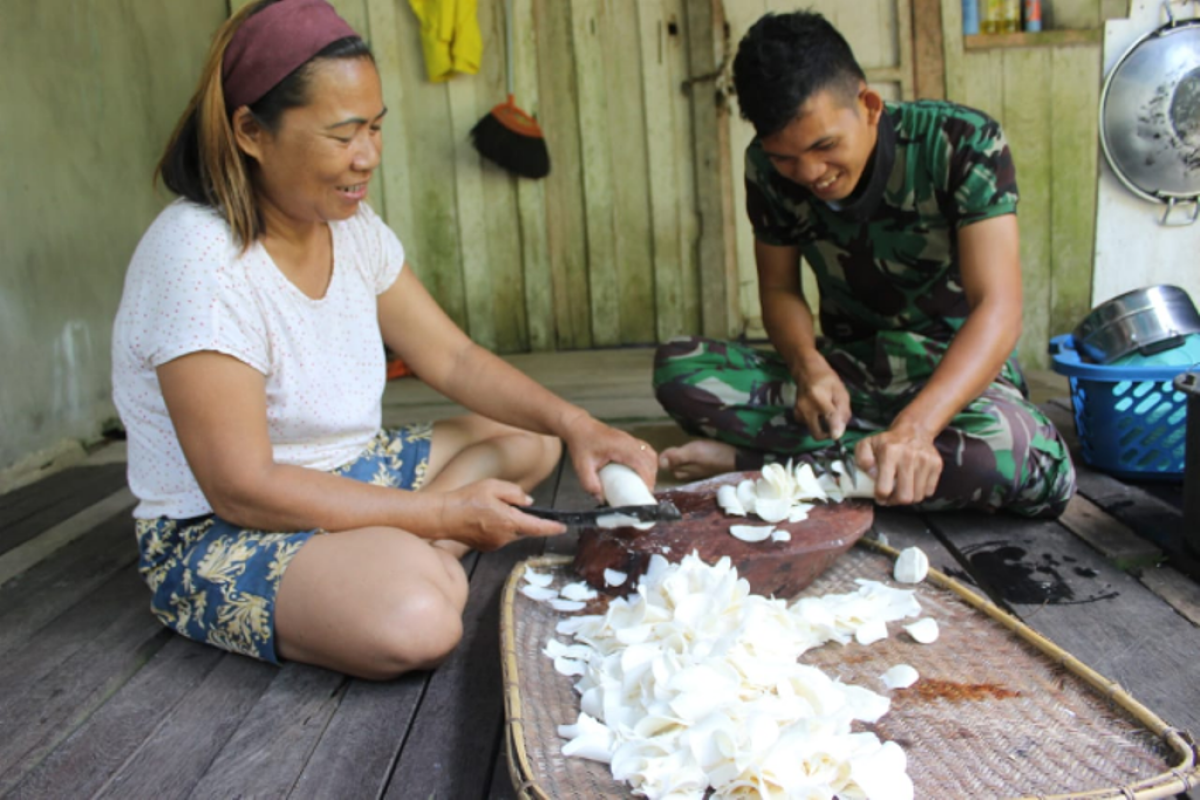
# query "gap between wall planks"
(707, 50)
(929, 63)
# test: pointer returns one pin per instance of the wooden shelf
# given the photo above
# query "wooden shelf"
(1053, 38)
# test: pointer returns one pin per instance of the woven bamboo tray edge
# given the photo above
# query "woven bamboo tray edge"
(1180, 778)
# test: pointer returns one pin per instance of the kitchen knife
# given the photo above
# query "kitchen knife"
(847, 461)
(665, 511)
(842, 452)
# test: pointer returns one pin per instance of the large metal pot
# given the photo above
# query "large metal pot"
(1150, 116)
(1150, 320)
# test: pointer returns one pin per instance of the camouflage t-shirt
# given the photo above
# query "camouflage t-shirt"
(888, 261)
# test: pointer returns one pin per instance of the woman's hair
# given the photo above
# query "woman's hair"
(202, 161)
(783, 60)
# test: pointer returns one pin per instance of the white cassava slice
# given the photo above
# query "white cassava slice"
(569, 667)
(773, 509)
(613, 577)
(752, 533)
(539, 593)
(924, 630)
(727, 499)
(871, 631)
(578, 591)
(621, 521)
(900, 676)
(912, 565)
(808, 487)
(536, 578)
(589, 739)
(559, 604)
(746, 495)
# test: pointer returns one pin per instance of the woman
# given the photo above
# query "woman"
(248, 370)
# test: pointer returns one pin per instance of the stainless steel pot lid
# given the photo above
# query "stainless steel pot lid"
(1150, 113)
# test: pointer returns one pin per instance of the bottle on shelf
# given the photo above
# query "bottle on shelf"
(1011, 19)
(970, 17)
(1033, 15)
(992, 13)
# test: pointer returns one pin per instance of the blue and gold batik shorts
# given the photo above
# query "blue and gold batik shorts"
(216, 582)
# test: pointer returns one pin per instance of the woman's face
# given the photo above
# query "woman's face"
(316, 166)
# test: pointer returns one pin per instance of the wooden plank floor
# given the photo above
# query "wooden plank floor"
(97, 700)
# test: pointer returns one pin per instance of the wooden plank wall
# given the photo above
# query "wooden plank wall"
(1047, 98)
(880, 33)
(625, 242)
(603, 252)
(89, 95)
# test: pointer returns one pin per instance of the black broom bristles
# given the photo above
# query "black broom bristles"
(512, 139)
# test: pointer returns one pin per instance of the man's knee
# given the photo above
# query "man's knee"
(1050, 486)
(1034, 478)
(674, 363)
(670, 356)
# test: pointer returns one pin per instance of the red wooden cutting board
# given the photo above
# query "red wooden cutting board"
(781, 569)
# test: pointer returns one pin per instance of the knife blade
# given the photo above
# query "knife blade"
(847, 462)
(664, 511)
(842, 451)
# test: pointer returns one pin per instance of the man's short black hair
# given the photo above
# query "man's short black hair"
(783, 60)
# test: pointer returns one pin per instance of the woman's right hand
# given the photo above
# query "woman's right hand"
(822, 402)
(486, 515)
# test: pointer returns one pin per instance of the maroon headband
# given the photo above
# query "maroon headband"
(271, 44)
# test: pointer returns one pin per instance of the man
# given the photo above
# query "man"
(906, 212)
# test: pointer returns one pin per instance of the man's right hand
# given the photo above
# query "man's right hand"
(486, 515)
(822, 402)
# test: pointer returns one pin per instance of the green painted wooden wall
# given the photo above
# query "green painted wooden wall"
(89, 93)
(603, 252)
(1047, 98)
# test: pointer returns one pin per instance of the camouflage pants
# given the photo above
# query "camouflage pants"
(1000, 452)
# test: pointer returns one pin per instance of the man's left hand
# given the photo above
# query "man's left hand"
(904, 463)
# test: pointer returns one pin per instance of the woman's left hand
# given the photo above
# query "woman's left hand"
(593, 444)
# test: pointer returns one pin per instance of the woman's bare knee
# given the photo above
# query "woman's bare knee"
(374, 603)
(456, 585)
(551, 452)
(419, 632)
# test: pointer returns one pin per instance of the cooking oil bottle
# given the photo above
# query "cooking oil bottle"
(1011, 21)
(1001, 16)
(992, 11)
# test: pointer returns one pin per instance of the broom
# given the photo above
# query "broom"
(508, 136)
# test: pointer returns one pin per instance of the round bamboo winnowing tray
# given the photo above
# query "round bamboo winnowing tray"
(999, 711)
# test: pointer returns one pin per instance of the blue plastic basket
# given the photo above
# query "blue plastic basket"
(1131, 421)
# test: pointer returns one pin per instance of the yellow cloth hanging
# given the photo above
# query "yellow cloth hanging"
(450, 37)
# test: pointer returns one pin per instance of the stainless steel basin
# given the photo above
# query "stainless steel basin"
(1149, 320)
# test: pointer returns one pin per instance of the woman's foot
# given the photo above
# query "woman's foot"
(701, 458)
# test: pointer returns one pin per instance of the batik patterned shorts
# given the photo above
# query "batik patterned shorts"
(216, 582)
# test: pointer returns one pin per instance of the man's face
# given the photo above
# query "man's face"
(827, 146)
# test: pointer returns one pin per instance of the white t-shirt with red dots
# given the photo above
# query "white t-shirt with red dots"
(189, 289)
